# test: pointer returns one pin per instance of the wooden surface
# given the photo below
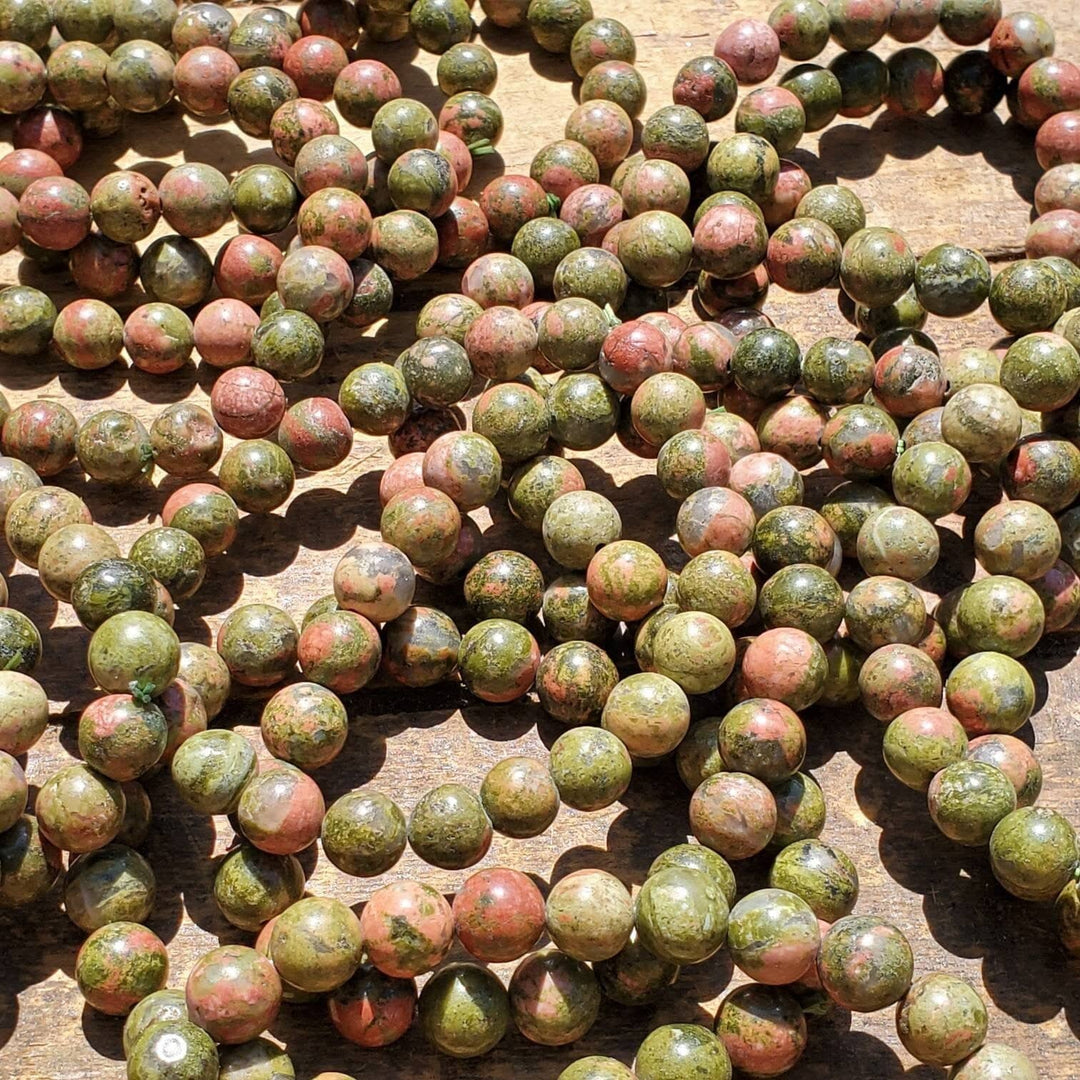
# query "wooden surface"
(937, 181)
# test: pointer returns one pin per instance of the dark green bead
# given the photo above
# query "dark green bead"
(541, 244)
(172, 556)
(804, 596)
(464, 1010)
(967, 799)
(679, 1051)
(449, 827)
(864, 81)
(1027, 296)
(173, 1050)
(553, 23)
(251, 887)
(820, 92)
(438, 24)
(1033, 853)
(952, 281)
(264, 198)
(766, 363)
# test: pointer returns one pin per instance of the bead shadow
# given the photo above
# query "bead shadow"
(68, 734)
(955, 565)
(63, 657)
(416, 83)
(834, 1049)
(504, 41)
(152, 170)
(26, 593)
(828, 732)
(158, 390)
(363, 491)
(9, 1016)
(30, 373)
(485, 168)
(1000, 929)
(176, 834)
(501, 723)
(112, 505)
(395, 54)
(46, 944)
(103, 1033)
(226, 590)
(226, 151)
(700, 982)
(323, 517)
(551, 67)
(265, 544)
(852, 152)
(105, 383)
(364, 755)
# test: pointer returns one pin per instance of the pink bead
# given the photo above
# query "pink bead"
(202, 78)
(247, 402)
(314, 63)
(400, 475)
(223, 332)
(791, 185)
(1050, 86)
(592, 210)
(751, 48)
(20, 168)
(1055, 233)
(460, 157)
(1058, 189)
(52, 131)
(246, 268)
(1058, 140)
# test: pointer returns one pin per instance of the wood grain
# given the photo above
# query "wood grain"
(932, 178)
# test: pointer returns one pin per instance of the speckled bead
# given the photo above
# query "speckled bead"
(449, 827)
(762, 1028)
(316, 944)
(591, 768)
(210, 770)
(589, 915)
(407, 929)
(672, 1049)
(865, 963)
(920, 743)
(990, 693)
(421, 647)
(824, 876)
(1027, 296)
(1001, 614)
(253, 887)
(734, 814)
(751, 48)
(233, 993)
(118, 965)
(967, 799)
(464, 1010)
(258, 643)
(1033, 853)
